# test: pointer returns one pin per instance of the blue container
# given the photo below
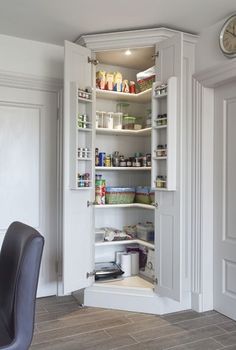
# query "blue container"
(101, 156)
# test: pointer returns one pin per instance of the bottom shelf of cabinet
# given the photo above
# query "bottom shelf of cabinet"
(127, 282)
(132, 205)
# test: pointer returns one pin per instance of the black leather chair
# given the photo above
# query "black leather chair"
(20, 260)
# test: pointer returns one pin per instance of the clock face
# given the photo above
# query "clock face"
(228, 37)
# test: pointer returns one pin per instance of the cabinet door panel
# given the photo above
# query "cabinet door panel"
(168, 245)
(78, 255)
(167, 220)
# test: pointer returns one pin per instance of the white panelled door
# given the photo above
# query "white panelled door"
(28, 165)
(225, 200)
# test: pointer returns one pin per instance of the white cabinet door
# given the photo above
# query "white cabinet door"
(167, 218)
(168, 245)
(78, 243)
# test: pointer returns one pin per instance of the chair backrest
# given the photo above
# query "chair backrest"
(20, 260)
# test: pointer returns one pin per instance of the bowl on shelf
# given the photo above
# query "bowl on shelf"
(119, 195)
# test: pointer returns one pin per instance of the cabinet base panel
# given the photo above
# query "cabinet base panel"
(129, 282)
(133, 299)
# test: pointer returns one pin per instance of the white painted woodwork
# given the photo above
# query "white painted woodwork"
(78, 256)
(165, 134)
(225, 200)
(172, 220)
(141, 97)
(28, 170)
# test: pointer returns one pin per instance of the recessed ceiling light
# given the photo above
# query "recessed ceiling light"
(128, 52)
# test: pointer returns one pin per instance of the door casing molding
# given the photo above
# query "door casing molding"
(204, 84)
(52, 85)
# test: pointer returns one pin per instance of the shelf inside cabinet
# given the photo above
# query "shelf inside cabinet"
(132, 205)
(160, 96)
(123, 132)
(120, 168)
(159, 158)
(125, 242)
(85, 100)
(85, 129)
(141, 97)
(160, 127)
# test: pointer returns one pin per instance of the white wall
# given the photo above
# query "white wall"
(208, 53)
(31, 57)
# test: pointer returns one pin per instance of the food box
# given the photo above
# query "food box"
(120, 195)
(145, 84)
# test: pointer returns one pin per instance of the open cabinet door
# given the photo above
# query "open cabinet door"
(78, 255)
(168, 238)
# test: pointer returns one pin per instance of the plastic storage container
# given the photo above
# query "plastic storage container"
(145, 232)
(108, 120)
(117, 120)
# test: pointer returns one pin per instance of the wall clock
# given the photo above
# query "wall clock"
(228, 37)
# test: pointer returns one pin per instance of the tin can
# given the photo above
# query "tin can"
(101, 156)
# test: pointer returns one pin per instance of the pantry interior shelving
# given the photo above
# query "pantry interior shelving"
(123, 132)
(131, 205)
(140, 97)
(120, 168)
(126, 242)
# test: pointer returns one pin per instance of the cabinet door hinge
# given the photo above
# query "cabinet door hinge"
(89, 204)
(93, 61)
(155, 55)
(90, 274)
(155, 281)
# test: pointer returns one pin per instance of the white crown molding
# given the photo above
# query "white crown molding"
(31, 82)
(217, 75)
(131, 38)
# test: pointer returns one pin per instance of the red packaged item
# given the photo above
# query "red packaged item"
(132, 88)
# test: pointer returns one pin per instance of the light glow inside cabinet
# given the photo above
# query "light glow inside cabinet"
(164, 116)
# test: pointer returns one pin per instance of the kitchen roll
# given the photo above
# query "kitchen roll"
(126, 264)
(118, 257)
(134, 263)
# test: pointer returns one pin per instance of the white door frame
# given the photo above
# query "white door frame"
(52, 85)
(202, 185)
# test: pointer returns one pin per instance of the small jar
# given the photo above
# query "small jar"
(159, 181)
(80, 152)
(129, 162)
(144, 161)
(149, 159)
(108, 161)
(115, 159)
(159, 120)
(159, 151)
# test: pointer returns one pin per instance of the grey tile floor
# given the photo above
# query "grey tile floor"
(62, 324)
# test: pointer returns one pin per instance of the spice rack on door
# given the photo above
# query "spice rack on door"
(164, 135)
(81, 137)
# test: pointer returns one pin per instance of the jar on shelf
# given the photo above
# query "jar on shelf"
(108, 160)
(100, 119)
(159, 151)
(117, 120)
(115, 159)
(128, 123)
(108, 120)
(122, 161)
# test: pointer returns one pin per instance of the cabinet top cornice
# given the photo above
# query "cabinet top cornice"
(130, 38)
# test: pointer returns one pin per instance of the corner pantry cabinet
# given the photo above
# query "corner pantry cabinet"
(167, 287)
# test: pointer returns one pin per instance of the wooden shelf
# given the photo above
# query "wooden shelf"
(141, 97)
(132, 205)
(124, 242)
(160, 127)
(124, 132)
(81, 99)
(121, 168)
(159, 158)
(160, 96)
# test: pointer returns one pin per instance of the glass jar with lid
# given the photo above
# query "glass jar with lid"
(128, 122)
(117, 120)
(108, 120)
